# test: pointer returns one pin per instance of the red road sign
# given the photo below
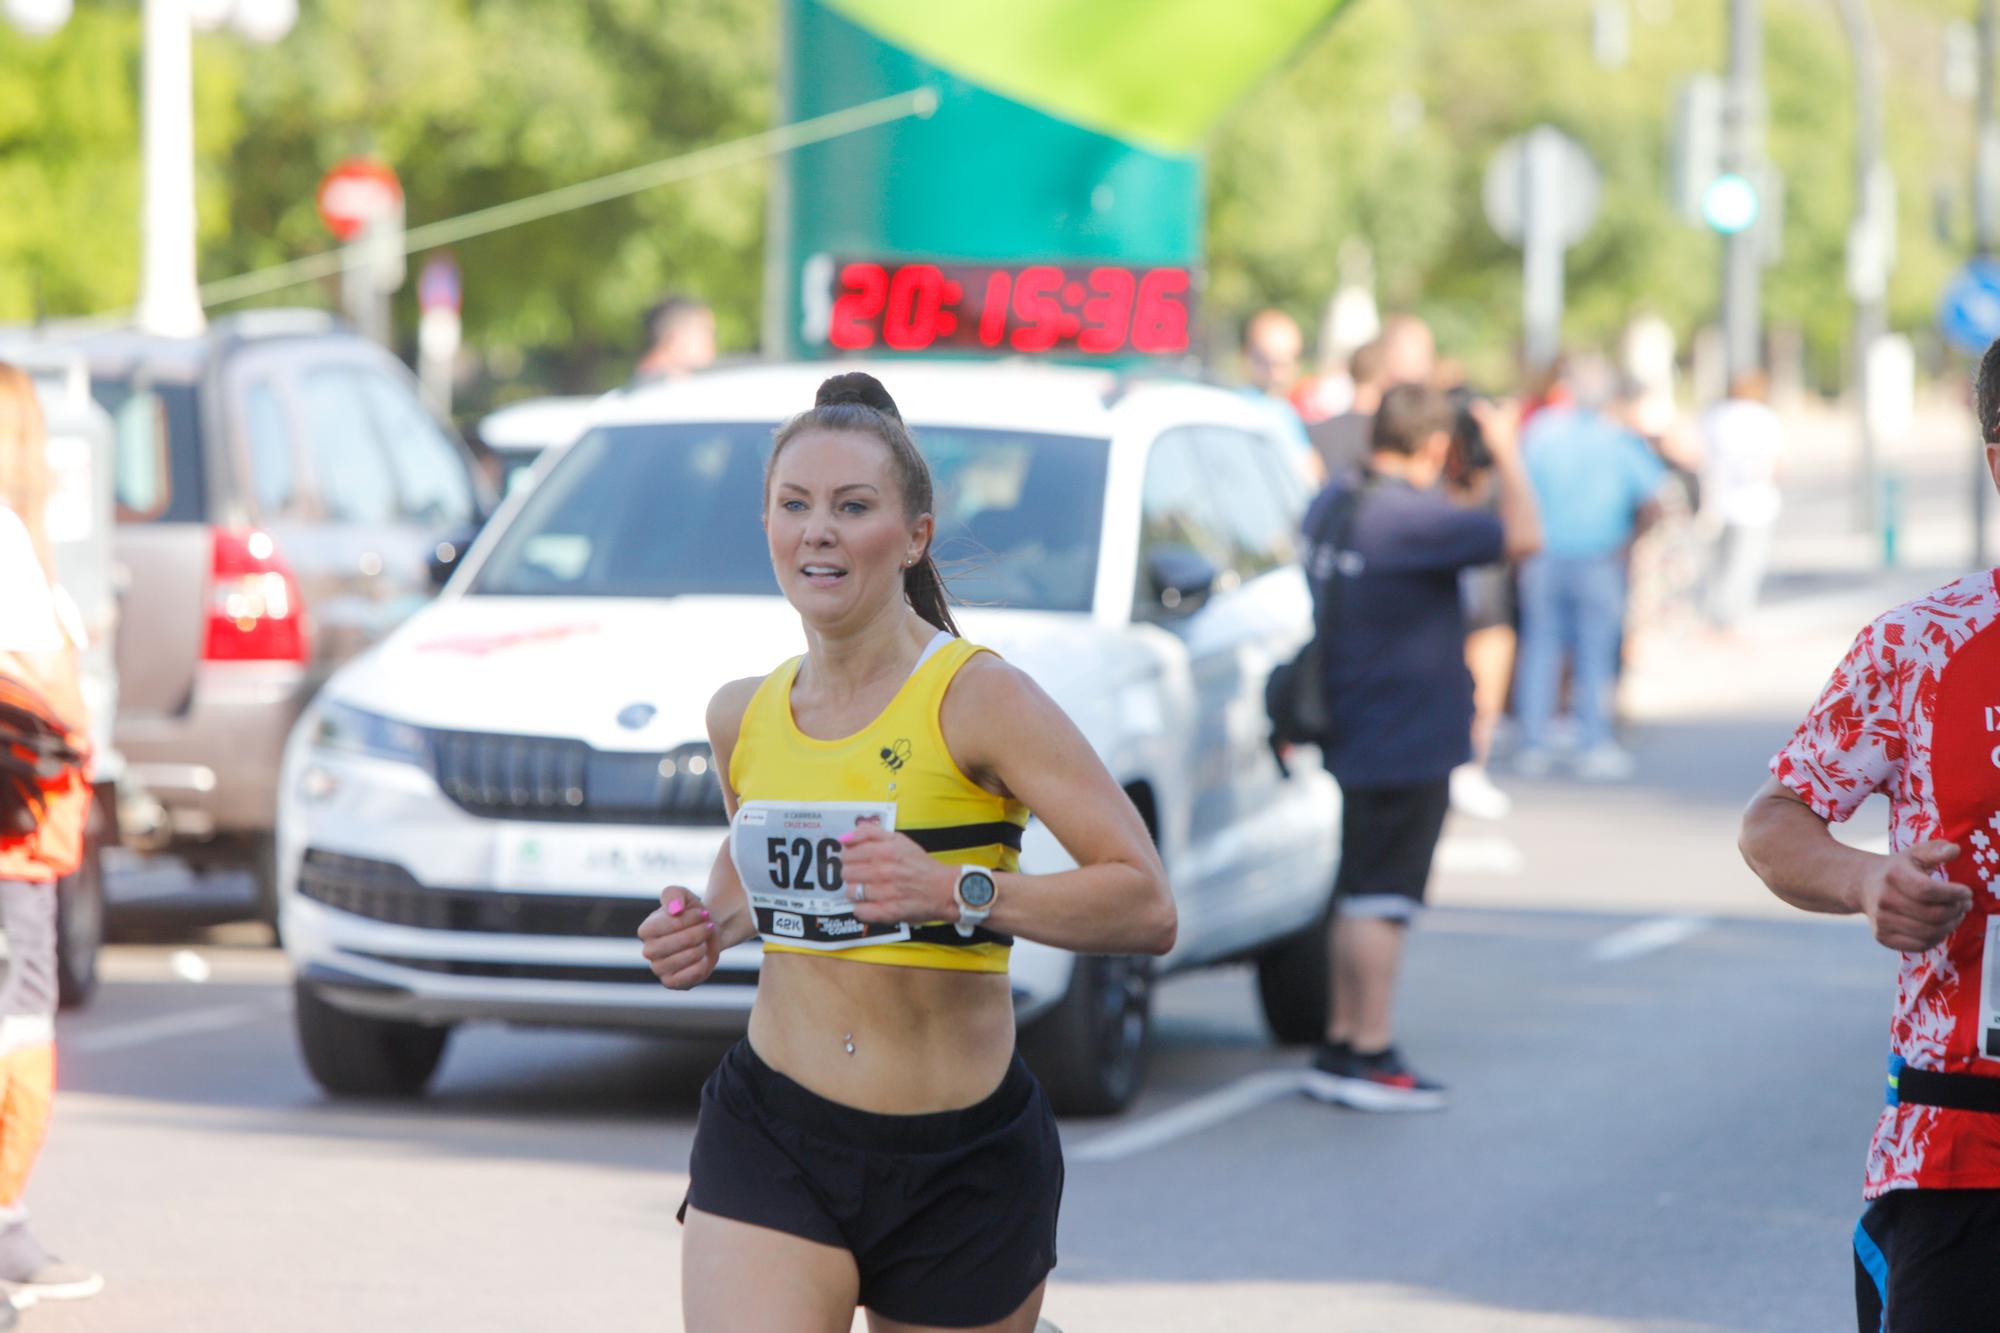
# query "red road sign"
(355, 193)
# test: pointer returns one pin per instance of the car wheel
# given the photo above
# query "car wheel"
(352, 1056)
(1293, 981)
(80, 923)
(1090, 1051)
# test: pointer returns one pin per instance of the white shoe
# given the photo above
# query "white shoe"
(54, 1281)
(1534, 762)
(1473, 793)
(1605, 763)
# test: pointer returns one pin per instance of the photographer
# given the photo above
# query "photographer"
(1399, 703)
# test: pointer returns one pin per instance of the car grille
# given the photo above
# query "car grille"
(548, 777)
(385, 891)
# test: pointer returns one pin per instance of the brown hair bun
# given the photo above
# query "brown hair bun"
(856, 387)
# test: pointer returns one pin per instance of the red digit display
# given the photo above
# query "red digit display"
(863, 289)
(993, 311)
(1160, 325)
(916, 303)
(1038, 314)
(1073, 310)
(1107, 315)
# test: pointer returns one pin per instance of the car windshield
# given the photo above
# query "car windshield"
(667, 510)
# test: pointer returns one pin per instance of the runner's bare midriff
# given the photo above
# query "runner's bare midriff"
(925, 1039)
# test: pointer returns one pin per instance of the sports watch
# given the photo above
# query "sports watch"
(974, 892)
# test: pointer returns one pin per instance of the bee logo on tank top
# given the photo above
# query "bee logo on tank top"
(895, 756)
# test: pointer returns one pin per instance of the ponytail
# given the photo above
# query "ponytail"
(924, 586)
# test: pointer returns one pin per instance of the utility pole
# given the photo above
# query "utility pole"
(1869, 242)
(1985, 226)
(1742, 154)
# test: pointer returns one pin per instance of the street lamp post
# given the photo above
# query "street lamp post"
(169, 296)
(1742, 154)
(169, 301)
(1869, 243)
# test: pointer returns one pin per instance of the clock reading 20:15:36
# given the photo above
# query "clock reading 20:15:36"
(1094, 309)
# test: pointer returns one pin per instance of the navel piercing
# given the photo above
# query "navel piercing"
(848, 1041)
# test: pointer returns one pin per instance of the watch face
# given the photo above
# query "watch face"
(976, 890)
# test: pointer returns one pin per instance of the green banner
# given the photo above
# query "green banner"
(1154, 72)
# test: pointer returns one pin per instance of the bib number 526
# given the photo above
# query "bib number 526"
(804, 865)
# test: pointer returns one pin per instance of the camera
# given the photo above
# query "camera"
(1469, 450)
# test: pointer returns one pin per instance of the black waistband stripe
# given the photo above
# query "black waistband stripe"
(965, 837)
(1957, 1092)
(948, 934)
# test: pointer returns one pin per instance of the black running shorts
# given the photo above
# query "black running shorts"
(1387, 838)
(1924, 1260)
(951, 1217)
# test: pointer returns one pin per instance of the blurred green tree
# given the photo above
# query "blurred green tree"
(1380, 130)
(478, 103)
(474, 102)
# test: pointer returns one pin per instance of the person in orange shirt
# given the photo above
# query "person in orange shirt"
(38, 676)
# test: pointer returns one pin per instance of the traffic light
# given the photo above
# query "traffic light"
(1730, 204)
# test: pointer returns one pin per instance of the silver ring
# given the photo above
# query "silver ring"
(860, 891)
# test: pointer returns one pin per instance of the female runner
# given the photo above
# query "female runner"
(876, 1141)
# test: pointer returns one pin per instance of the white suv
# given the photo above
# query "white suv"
(476, 815)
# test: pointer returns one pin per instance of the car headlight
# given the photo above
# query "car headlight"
(343, 727)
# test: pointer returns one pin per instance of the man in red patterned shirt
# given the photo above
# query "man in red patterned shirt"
(1913, 711)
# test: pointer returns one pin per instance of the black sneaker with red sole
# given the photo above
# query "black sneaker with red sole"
(1379, 1082)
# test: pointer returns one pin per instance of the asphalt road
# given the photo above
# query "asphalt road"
(1665, 1140)
(1662, 1081)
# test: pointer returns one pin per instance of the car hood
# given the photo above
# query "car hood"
(577, 668)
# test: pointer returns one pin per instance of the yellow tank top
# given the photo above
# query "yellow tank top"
(900, 758)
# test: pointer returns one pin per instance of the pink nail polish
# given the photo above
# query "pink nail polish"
(845, 838)
(674, 907)
(704, 914)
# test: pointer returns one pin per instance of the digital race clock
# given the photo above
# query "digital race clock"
(1063, 309)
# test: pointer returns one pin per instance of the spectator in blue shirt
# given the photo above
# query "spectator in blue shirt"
(1595, 481)
(1399, 703)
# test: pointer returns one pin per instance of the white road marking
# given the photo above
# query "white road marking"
(1190, 1117)
(1646, 937)
(191, 966)
(1479, 854)
(192, 1023)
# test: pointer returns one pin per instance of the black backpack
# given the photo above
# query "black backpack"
(1295, 693)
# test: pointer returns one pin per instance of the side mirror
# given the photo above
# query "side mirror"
(450, 549)
(1180, 578)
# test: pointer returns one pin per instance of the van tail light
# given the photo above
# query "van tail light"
(254, 610)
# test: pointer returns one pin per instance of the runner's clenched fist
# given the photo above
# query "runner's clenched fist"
(1910, 909)
(678, 939)
(890, 878)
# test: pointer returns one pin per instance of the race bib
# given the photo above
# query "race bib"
(787, 853)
